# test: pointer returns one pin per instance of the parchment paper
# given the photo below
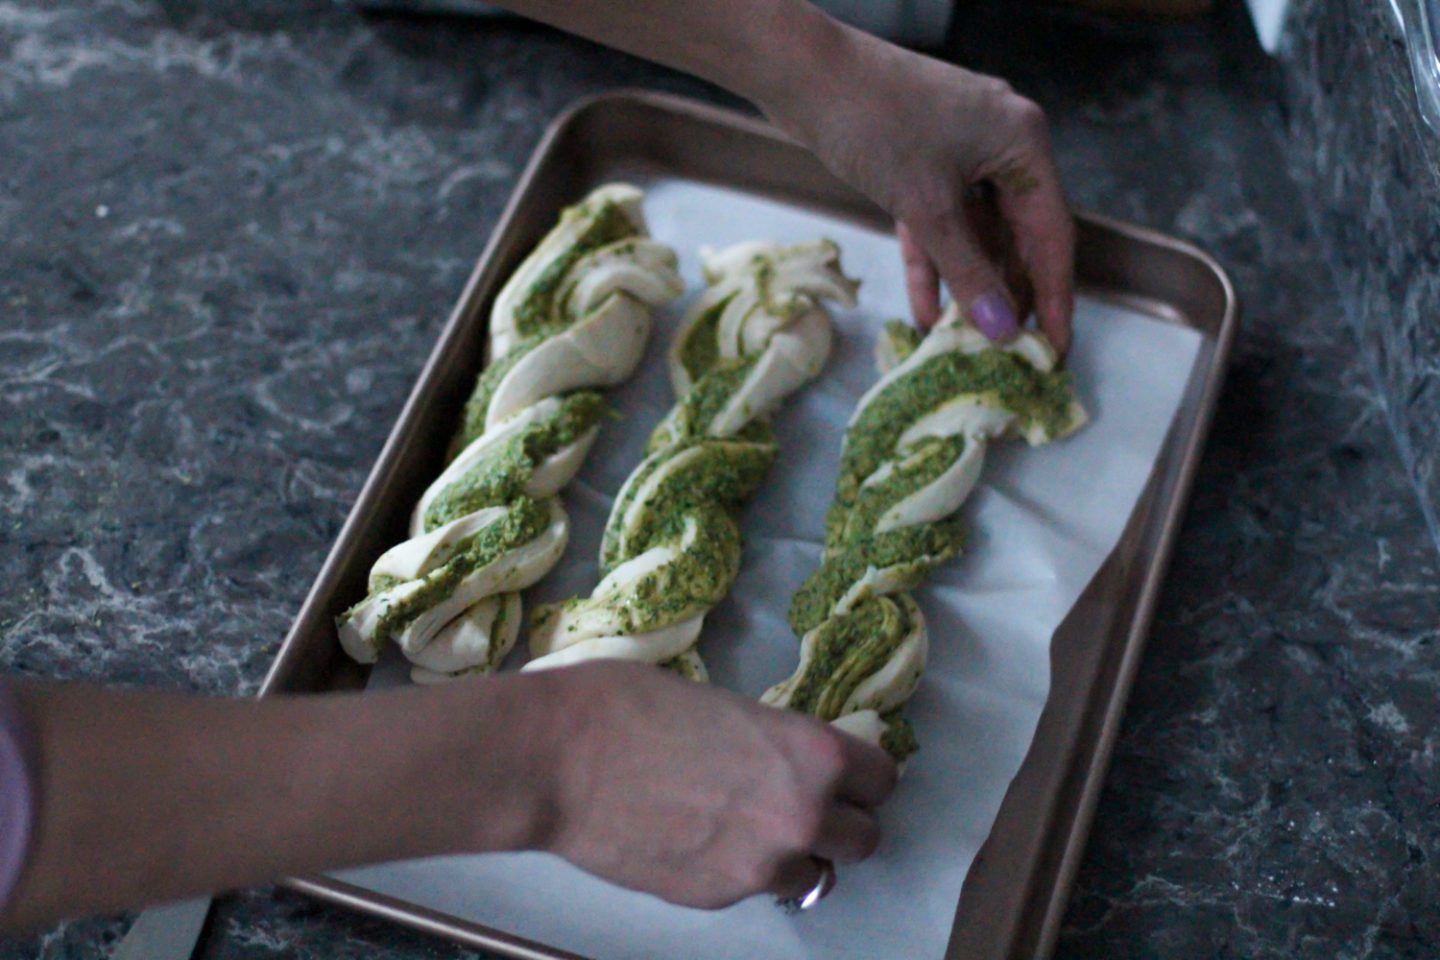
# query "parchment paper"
(1042, 521)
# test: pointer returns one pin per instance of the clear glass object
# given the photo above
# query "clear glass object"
(1420, 19)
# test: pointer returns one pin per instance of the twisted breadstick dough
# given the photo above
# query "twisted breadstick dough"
(913, 452)
(671, 549)
(574, 316)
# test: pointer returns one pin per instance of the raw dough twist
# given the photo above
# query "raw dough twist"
(671, 549)
(913, 452)
(574, 316)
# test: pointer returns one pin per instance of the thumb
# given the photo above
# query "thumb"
(974, 281)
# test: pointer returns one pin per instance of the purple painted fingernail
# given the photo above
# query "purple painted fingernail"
(994, 316)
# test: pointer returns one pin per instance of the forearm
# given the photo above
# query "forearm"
(147, 797)
(910, 132)
(763, 50)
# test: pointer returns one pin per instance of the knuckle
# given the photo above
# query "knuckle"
(997, 89)
(943, 228)
(1029, 118)
(970, 276)
(970, 268)
(826, 754)
(933, 211)
(802, 831)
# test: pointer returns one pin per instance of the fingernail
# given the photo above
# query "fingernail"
(994, 316)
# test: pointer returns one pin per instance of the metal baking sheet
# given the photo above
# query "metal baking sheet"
(1015, 894)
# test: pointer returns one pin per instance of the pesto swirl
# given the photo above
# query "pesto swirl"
(913, 453)
(573, 317)
(671, 550)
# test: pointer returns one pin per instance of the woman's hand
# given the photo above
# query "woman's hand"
(961, 161)
(685, 791)
(944, 151)
(700, 796)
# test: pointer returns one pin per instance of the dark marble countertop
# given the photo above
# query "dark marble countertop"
(211, 207)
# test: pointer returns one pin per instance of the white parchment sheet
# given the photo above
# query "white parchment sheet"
(1042, 521)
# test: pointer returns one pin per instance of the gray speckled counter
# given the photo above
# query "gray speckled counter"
(212, 209)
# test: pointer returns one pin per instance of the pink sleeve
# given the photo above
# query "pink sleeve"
(17, 792)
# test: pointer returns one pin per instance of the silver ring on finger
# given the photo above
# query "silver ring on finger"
(823, 885)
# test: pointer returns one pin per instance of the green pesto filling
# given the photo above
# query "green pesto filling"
(701, 349)
(379, 583)
(763, 269)
(926, 461)
(711, 394)
(845, 650)
(730, 471)
(684, 667)
(1034, 397)
(612, 539)
(676, 429)
(537, 308)
(497, 630)
(723, 476)
(921, 545)
(473, 423)
(502, 475)
(697, 579)
(756, 431)
(726, 473)
(526, 520)
(902, 338)
(898, 740)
